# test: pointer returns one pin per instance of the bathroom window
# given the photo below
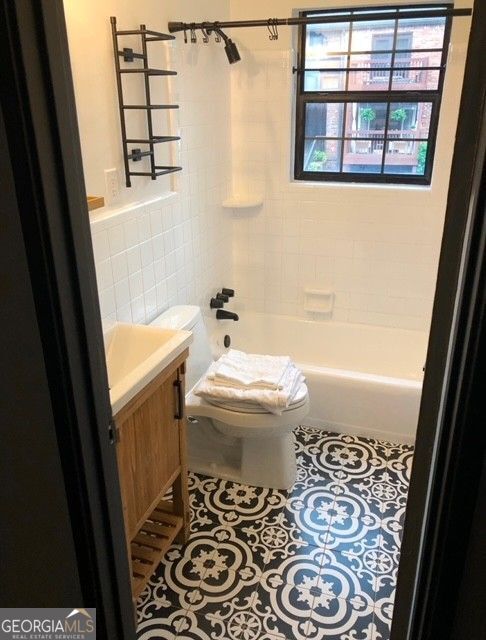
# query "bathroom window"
(368, 95)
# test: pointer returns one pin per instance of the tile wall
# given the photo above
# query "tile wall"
(174, 246)
(375, 247)
(152, 256)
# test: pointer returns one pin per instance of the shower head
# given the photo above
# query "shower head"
(232, 51)
(230, 48)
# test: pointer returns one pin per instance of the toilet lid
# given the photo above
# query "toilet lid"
(247, 407)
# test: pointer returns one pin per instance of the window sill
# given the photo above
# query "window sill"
(360, 185)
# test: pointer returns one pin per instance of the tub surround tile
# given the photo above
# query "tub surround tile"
(317, 562)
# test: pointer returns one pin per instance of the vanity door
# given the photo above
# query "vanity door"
(149, 445)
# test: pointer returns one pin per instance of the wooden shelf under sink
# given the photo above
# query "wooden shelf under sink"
(151, 542)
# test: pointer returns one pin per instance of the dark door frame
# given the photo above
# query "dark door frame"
(451, 436)
(38, 108)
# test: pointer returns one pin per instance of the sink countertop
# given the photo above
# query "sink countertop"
(136, 354)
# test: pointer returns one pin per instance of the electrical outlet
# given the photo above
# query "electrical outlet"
(112, 185)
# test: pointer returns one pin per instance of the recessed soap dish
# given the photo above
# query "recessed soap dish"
(318, 301)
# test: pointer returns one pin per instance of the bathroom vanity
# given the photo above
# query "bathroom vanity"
(150, 434)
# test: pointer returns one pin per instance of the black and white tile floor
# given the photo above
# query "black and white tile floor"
(316, 562)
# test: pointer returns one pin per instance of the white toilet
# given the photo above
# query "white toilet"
(226, 440)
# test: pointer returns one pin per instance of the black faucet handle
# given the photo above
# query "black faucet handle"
(228, 292)
(221, 296)
(215, 303)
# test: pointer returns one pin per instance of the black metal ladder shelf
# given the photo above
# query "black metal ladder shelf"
(128, 55)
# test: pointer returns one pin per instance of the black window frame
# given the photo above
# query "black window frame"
(389, 96)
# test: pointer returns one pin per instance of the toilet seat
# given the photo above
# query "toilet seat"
(259, 423)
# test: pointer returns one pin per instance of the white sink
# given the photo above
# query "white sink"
(136, 354)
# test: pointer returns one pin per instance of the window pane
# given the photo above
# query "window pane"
(409, 120)
(372, 72)
(411, 70)
(421, 33)
(373, 36)
(322, 155)
(325, 81)
(324, 119)
(324, 41)
(363, 156)
(406, 157)
(365, 120)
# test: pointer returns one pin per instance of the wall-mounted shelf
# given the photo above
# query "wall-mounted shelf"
(130, 56)
(243, 202)
(151, 106)
(150, 72)
(95, 202)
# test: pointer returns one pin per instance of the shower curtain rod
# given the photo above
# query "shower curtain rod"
(174, 27)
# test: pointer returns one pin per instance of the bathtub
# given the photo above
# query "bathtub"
(362, 379)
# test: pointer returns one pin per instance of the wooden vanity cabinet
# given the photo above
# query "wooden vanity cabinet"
(151, 454)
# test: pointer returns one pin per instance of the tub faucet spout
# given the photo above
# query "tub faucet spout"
(222, 314)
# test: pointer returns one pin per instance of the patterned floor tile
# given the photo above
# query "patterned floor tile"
(236, 550)
(310, 476)
(392, 526)
(230, 503)
(383, 492)
(318, 562)
(349, 578)
(399, 457)
(319, 496)
(212, 627)
(163, 623)
(223, 589)
(282, 611)
(337, 619)
(351, 522)
(349, 457)
(312, 524)
(386, 562)
(295, 570)
(272, 539)
(174, 582)
(383, 618)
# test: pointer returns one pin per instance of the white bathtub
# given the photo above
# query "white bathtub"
(362, 379)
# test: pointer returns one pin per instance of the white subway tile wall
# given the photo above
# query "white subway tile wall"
(145, 262)
(176, 248)
(376, 247)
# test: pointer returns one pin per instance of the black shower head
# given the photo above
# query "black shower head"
(230, 48)
(232, 51)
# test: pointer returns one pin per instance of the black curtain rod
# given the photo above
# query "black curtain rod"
(351, 17)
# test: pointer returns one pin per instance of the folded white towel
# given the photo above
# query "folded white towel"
(244, 406)
(273, 400)
(237, 368)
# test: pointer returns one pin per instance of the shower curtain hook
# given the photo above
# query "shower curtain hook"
(193, 34)
(269, 27)
(272, 29)
(205, 38)
(185, 36)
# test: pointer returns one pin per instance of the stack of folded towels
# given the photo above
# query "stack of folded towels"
(272, 382)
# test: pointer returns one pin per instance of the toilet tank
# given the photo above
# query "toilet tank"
(189, 318)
